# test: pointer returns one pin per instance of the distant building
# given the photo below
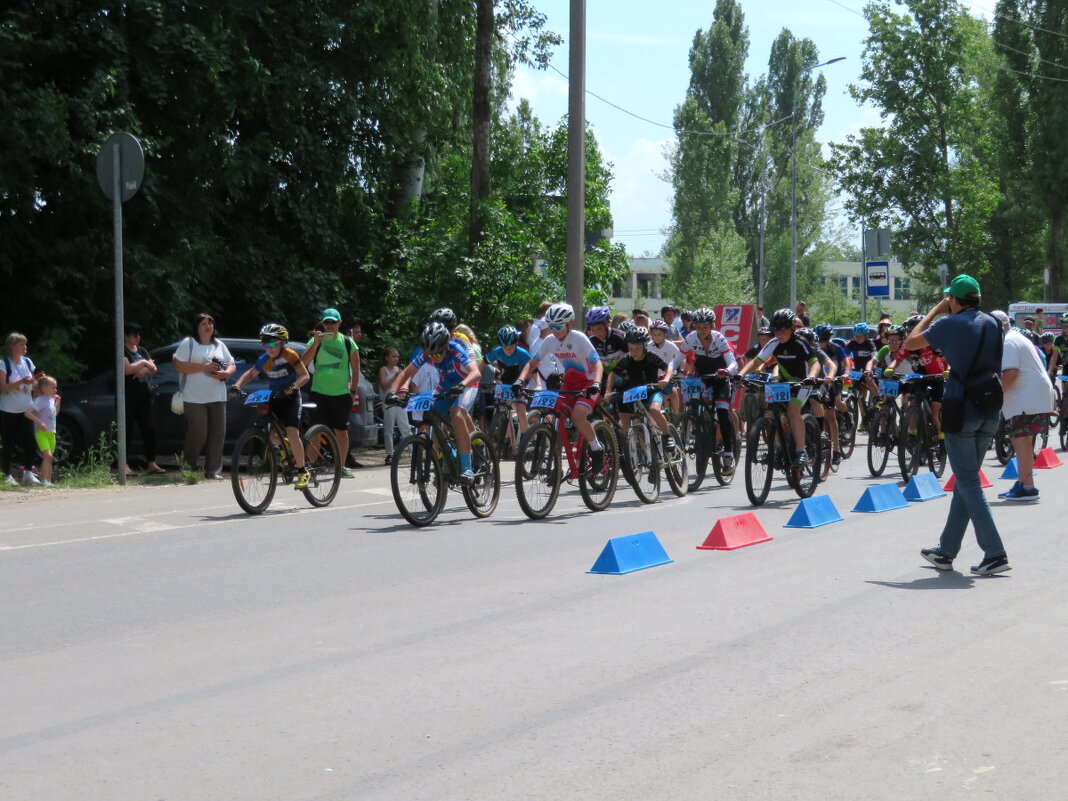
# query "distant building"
(643, 284)
(846, 274)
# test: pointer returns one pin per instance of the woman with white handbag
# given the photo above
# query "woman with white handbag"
(204, 363)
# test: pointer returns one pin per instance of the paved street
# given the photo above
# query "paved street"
(160, 644)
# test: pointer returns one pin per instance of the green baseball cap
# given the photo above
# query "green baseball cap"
(962, 286)
(331, 315)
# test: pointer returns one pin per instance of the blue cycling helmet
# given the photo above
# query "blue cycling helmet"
(861, 328)
(598, 314)
(508, 335)
(839, 341)
(824, 331)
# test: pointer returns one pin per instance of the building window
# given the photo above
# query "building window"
(902, 289)
(843, 285)
(647, 285)
(618, 289)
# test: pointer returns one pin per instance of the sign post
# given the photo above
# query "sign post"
(877, 278)
(120, 166)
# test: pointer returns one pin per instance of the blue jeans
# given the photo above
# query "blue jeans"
(966, 451)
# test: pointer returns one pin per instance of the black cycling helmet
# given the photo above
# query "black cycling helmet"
(638, 336)
(824, 331)
(446, 316)
(783, 319)
(895, 331)
(806, 334)
(273, 331)
(1047, 338)
(435, 338)
(508, 335)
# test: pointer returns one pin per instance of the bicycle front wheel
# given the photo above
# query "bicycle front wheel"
(847, 430)
(1003, 443)
(537, 471)
(253, 471)
(693, 440)
(676, 465)
(910, 444)
(322, 457)
(481, 497)
(645, 477)
(806, 478)
(597, 489)
(759, 460)
(417, 481)
(880, 441)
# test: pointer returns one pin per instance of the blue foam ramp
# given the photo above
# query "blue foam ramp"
(881, 498)
(632, 552)
(1010, 470)
(814, 512)
(924, 487)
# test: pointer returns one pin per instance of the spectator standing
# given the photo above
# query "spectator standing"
(971, 341)
(394, 418)
(801, 314)
(1028, 398)
(205, 364)
(669, 314)
(762, 321)
(139, 394)
(16, 396)
(43, 414)
(336, 376)
(1028, 330)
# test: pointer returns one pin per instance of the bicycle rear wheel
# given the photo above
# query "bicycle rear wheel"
(676, 465)
(253, 471)
(322, 457)
(759, 460)
(417, 481)
(910, 443)
(880, 441)
(723, 474)
(537, 471)
(693, 434)
(481, 497)
(805, 479)
(847, 429)
(597, 489)
(645, 477)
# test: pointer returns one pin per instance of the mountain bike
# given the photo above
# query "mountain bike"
(426, 466)
(770, 444)
(642, 451)
(504, 425)
(538, 465)
(701, 434)
(263, 454)
(883, 428)
(917, 441)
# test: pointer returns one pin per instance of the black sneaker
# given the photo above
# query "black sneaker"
(937, 558)
(597, 461)
(668, 442)
(991, 565)
(801, 459)
(836, 458)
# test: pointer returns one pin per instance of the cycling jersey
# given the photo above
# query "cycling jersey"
(573, 352)
(840, 356)
(669, 352)
(612, 349)
(928, 361)
(718, 355)
(884, 357)
(794, 356)
(510, 366)
(635, 372)
(452, 370)
(861, 352)
(282, 371)
(1061, 344)
(1048, 357)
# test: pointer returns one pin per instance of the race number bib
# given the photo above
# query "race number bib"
(259, 396)
(777, 392)
(889, 389)
(503, 392)
(692, 388)
(545, 399)
(420, 403)
(636, 393)
(855, 375)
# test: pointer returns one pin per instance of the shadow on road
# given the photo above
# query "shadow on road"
(941, 580)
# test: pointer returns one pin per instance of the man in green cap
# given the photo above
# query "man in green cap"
(972, 344)
(335, 377)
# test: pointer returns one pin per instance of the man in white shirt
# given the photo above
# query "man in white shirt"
(1028, 398)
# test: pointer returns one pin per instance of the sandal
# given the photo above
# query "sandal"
(130, 473)
(157, 470)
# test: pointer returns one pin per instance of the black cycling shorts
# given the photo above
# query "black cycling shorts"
(287, 407)
(332, 410)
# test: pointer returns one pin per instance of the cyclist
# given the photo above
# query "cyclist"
(842, 364)
(607, 341)
(667, 350)
(508, 359)
(286, 374)
(713, 360)
(458, 375)
(862, 351)
(582, 370)
(1049, 353)
(642, 367)
(797, 362)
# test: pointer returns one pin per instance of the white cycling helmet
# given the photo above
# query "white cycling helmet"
(560, 313)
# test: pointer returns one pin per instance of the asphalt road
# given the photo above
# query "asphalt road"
(160, 644)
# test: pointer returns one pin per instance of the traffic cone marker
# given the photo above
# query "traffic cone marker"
(1047, 459)
(814, 512)
(881, 498)
(632, 552)
(735, 531)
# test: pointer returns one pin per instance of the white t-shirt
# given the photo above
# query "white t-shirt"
(575, 351)
(1032, 392)
(199, 387)
(45, 406)
(669, 352)
(17, 400)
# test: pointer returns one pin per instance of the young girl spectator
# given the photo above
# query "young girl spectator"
(393, 417)
(43, 413)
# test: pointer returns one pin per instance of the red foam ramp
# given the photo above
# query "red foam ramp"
(733, 532)
(1047, 459)
(984, 482)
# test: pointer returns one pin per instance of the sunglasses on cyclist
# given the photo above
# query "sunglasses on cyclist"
(557, 326)
(780, 330)
(270, 344)
(436, 355)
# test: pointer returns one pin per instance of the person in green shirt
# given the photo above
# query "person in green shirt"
(335, 377)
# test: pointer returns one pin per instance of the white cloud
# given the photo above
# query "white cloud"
(545, 91)
(641, 199)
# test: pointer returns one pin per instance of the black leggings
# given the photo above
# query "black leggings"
(17, 431)
(140, 412)
(726, 428)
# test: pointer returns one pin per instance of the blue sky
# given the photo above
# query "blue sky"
(637, 57)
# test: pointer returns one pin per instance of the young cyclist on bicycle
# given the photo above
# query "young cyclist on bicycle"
(713, 360)
(607, 341)
(862, 351)
(670, 353)
(642, 367)
(926, 361)
(842, 364)
(508, 358)
(286, 374)
(797, 362)
(457, 374)
(583, 370)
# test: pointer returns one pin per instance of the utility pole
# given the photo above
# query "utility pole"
(576, 158)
